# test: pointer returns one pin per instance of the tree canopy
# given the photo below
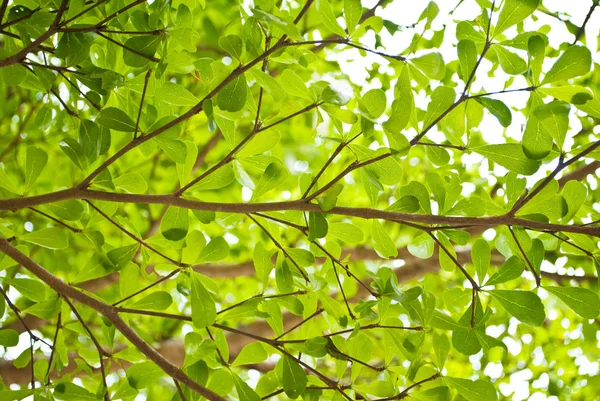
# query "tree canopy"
(230, 200)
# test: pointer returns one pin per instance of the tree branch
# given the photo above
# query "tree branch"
(111, 314)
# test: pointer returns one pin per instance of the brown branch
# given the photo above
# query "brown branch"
(64, 105)
(230, 156)
(74, 85)
(57, 221)
(581, 29)
(119, 12)
(304, 231)
(281, 248)
(135, 238)
(17, 312)
(3, 10)
(129, 49)
(298, 205)
(560, 167)
(53, 352)
(20, 55)
(291, 329)
(101, 352)
(404, 393)
(355, 165)
(336, 152)
(197, 108)
(16, 20)
(538, 280)
(111, 314)
(468, 83)
(85, 11)
(580, 173)
(137, 122)
(366, 327)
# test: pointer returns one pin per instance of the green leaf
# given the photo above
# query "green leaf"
(442, 321)
(536, 49)
(175, 223)
(217, 249)
(146, 45)
(442, 99)
(510, 270)
(52, 238)
(498, 109)
(287, 26)
(467, 56)
(158, 300)
(218, 179)
(406, 204)
(74, 151)
(7, 183)
(31, 289)
(373, 103)
(269, 84)
(35, 162)
(478, 390)
(70, 210)
(262, 263)
(91, 137)
(233, 45)
(204, 310)
(509, 156)
(329, 200)
(488, 342)
(421, 246)
(382, 241)
(524, 305)
(294, 85)
(575, 61)
(346, 232)
(115, 119)
(233, 96)
(9, 338)
(301, 256)
(133, 183)
(441, 347)
(513, 12)
(98, 266)
(352, 14)
(575, 194)
(175, 149)
(176, 95)
(251, 354)
(294, 378)
(317, 226)
(432, 64)
(244, 391)
(510, 62)
(14, 395)
(537, 142)
(402, 106)
(441, 393)
(480, 255)
(582, 301)
(261, 143)
(554, 118)
(121, 256)
(275, 174)
(143, 374)
(328, 18)
(70, 391)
